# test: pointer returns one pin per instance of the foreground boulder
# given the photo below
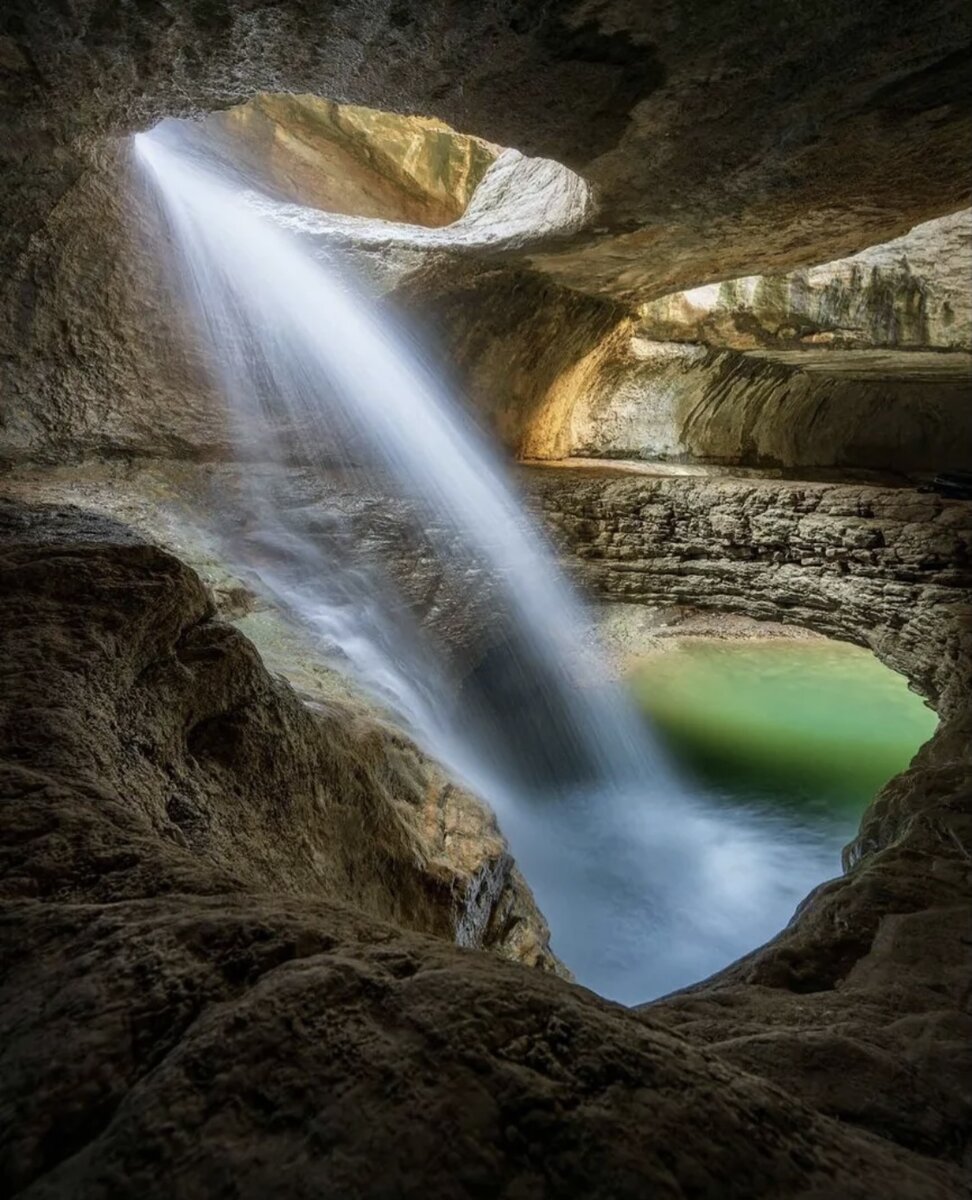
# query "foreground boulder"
(187, 1008)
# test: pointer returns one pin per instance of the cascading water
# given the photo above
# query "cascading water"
(646, 887)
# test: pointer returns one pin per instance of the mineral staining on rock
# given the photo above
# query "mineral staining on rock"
(912, 292)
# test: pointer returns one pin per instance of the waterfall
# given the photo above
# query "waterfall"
(647, 886)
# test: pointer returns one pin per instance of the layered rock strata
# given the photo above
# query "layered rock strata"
(870, 982)
(227, 910)
(887, 568)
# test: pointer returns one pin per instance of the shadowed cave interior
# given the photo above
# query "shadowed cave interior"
(486, 526)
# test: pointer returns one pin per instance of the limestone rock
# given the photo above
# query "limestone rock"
(888, 568)
(125, 694)
(721, 143)
(897, 412)
(348, 159)
(912, 292)
(99, 315)
(868, 985)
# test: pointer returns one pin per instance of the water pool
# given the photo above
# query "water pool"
(808, 730)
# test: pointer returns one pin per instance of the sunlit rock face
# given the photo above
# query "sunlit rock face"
(703, 156)
(891, 411)
(860, 364)
(524, 351)
(99, 358)
(913, 292)
(239, 907)
(346, 159)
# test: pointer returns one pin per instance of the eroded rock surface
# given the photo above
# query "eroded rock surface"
(859, 365)
(888, 568)
(102, 354)
(227, 911)
(346, 159)
(910, 292)
(210, 1019)
(722, 143)
(861, 1006)
(899, 412)
(146, 740)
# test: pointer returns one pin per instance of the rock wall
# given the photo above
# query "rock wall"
(887, 568)
(102, 355)
(235, 907)
(886, 411)
(98, 362)
(872, 976)
(174, 756)
(179, 866)
(347, 159)
(518, 349)
(90, 357)
(910, 292)
(862, 365)
(557, 375)
(98, 359)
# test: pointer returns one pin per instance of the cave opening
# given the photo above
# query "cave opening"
(781, 737)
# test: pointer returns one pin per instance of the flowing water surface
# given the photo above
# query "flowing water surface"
(649, 880)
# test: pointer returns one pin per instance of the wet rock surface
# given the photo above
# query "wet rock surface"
(199, 860)
(101, 355)
(202, 990)
(229, 910)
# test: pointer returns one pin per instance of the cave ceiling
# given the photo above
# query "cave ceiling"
(721, 139)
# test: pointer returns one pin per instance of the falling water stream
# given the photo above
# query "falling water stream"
(648, 885)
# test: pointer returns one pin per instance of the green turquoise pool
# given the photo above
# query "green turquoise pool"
(810, 728)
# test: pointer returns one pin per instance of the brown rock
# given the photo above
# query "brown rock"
(215, 1019)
